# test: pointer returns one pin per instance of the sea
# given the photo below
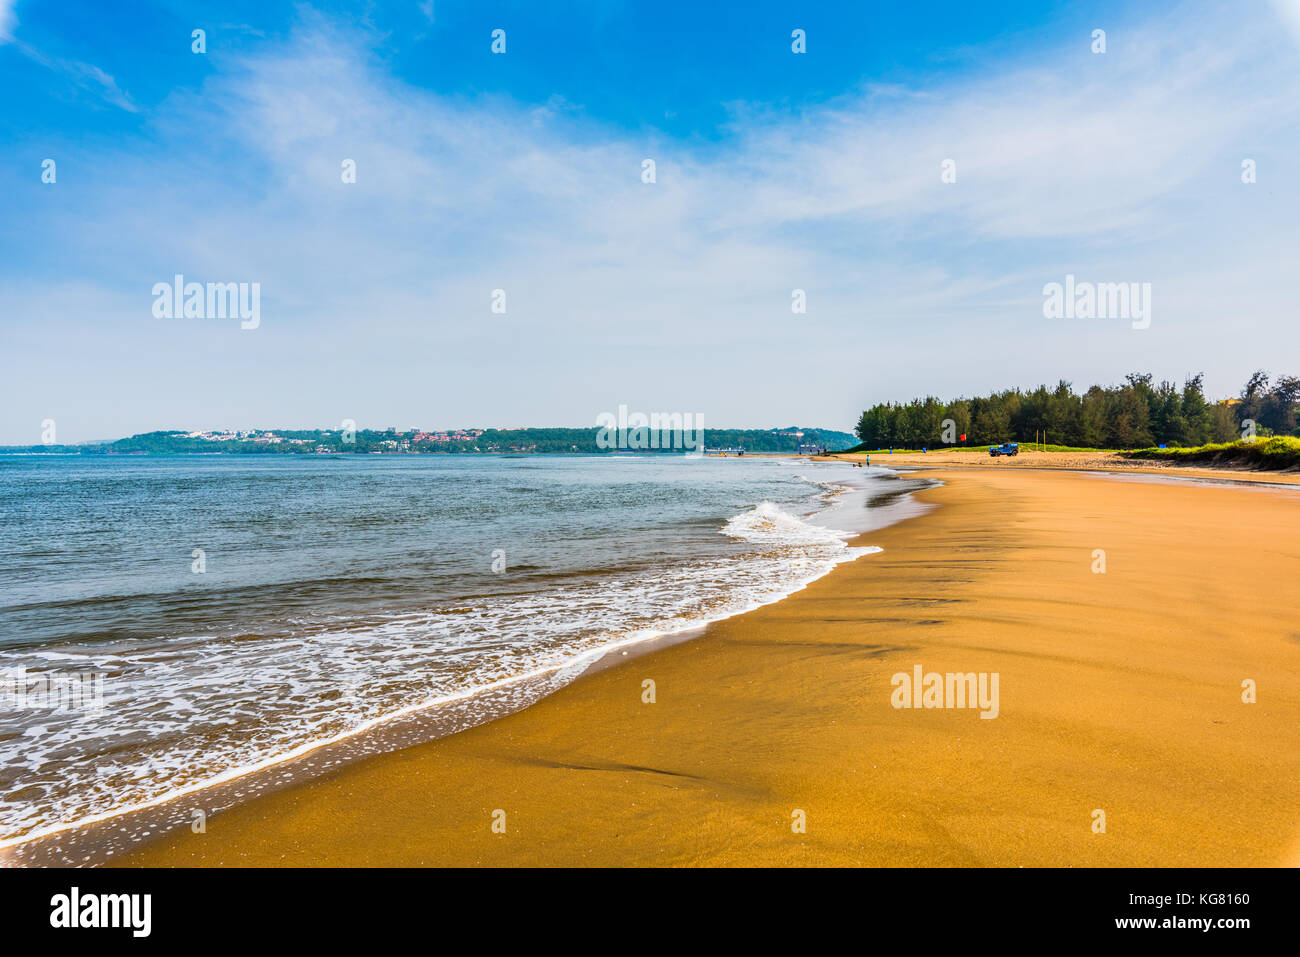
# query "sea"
(219, 614)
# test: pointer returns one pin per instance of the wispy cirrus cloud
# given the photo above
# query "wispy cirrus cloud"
(85, 76)
(91, 78)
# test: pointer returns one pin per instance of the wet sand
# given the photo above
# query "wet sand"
(1119, 692)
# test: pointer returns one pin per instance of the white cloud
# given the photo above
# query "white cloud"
(92, 78)
(1288, 12)
(87, 76)
(8, 20)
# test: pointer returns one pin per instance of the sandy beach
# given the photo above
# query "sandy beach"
(1119, 692)
(1097, 460)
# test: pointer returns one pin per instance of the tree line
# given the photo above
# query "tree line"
(1139, 413)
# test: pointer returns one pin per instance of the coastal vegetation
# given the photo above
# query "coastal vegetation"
(1277, 452)
(980, 449)
(1136, 414)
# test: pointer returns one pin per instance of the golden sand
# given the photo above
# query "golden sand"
(1031, 458)
(1119, 692)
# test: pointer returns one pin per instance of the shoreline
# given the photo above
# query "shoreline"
(382, 795)
(1120, 693)
(97, 839)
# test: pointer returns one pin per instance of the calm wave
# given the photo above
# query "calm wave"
(335, 591)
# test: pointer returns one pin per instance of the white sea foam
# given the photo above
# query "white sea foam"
(186, 712)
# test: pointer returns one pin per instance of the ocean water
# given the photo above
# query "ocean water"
(332, 593)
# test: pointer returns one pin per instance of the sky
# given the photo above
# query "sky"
(522, 171)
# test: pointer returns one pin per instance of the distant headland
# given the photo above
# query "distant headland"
(351, 441)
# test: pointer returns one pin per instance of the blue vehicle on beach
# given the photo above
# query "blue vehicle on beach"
(1006, 448)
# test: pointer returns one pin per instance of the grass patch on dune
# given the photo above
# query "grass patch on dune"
(1278, 452)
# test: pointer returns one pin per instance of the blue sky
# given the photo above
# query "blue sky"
(775, 171)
